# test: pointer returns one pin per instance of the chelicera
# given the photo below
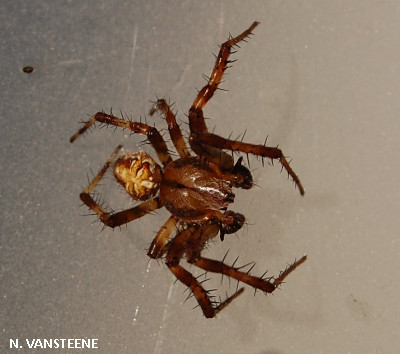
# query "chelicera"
(197, 188)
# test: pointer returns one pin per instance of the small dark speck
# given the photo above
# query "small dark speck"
(27, 69)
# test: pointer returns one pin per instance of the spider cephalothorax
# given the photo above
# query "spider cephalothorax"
(196, 189)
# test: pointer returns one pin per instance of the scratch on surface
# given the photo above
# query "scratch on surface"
(133, 53)
(70, 62)
(163, 326)
(135, 316)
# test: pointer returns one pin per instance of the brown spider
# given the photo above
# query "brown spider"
(196, 190)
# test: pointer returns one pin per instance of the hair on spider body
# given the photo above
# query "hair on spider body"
(197, 188)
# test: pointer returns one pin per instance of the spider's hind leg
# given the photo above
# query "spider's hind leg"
(153, 135)
(84, 195)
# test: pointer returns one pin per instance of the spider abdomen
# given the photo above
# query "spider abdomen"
(191, 187)
(139, 174)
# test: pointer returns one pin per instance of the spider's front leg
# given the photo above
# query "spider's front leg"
(152, 133)
(197, 122)
(122, 217)
(203, 141)
(196, 117)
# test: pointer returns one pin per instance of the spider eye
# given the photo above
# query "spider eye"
(139, 174)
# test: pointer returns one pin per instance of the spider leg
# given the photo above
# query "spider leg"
(196, 118)
(157, 248)
(288, 270)
(122, 217)
(173, 127)
(201, 295)
(207, 139)
(265, 285)
(152, 133)
(193, 239)
(197, 122)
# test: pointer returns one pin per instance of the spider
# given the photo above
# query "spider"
(196, 189)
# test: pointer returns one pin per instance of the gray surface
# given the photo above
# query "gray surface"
(320, 78)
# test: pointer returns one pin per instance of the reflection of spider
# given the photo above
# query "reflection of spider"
(196, 190)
